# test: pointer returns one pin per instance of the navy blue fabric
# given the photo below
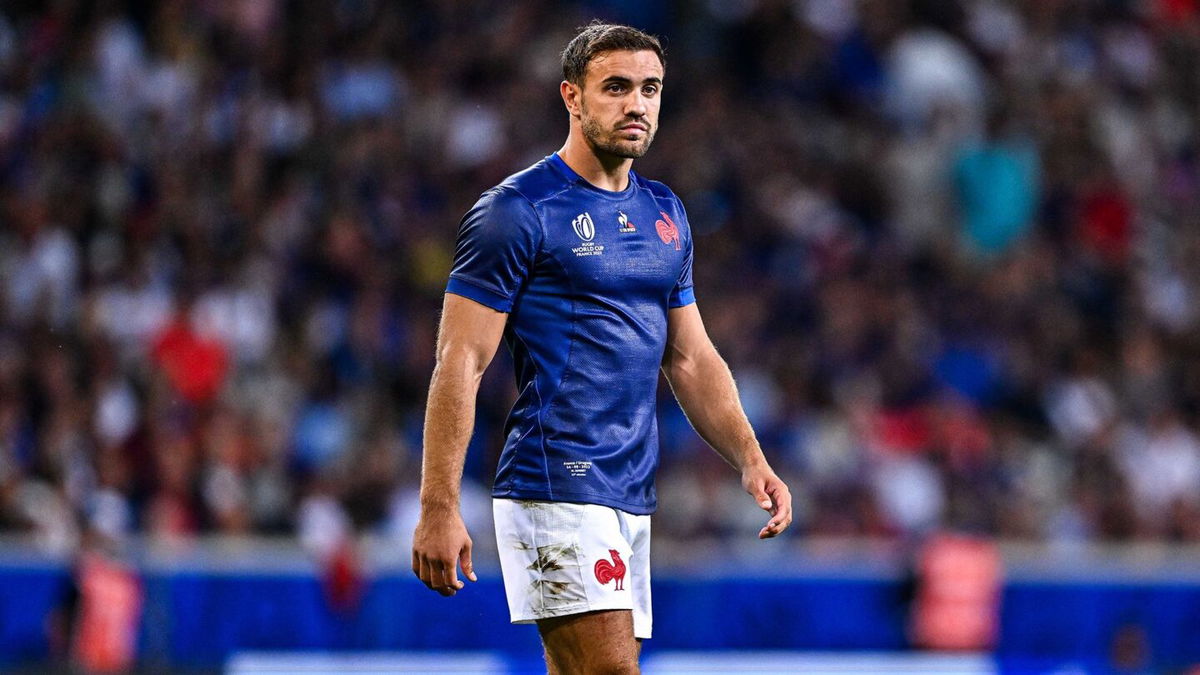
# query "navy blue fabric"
(586, 276)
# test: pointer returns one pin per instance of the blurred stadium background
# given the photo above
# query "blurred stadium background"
(943, 245)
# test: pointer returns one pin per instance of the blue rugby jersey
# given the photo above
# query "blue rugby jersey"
(586, 276)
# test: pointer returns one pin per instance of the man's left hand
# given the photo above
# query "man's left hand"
(772, 495)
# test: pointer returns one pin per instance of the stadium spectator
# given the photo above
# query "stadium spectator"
(225, 227)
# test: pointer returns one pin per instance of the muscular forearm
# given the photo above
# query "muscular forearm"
(467, 339)
(449, 420)
(704, 387)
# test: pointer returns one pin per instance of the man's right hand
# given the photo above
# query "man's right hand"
(440, 545)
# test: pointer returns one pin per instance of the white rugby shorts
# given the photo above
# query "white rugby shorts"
(560, 558)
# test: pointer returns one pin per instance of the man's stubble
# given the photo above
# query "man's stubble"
(605, 140)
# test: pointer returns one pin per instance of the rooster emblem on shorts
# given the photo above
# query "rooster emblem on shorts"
(609, 571)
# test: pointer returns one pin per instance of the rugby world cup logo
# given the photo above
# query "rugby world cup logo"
(584, 227)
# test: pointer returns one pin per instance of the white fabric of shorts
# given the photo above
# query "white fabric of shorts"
(560, 558)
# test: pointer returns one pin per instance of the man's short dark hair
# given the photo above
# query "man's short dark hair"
(598, 37)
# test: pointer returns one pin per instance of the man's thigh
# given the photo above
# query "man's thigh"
(593, 642)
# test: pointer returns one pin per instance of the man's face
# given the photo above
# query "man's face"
(619, 102)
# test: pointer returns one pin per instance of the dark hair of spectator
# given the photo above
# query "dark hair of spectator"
(597, 38)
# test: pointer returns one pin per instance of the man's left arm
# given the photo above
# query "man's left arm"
(704, 387)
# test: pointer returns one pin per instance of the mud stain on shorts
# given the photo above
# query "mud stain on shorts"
(556, 588)
(556, 580)
(552, 558)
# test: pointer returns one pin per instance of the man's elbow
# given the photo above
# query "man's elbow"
(461, 358)
(681, 367)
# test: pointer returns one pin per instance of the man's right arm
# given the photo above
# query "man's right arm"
(467, 341)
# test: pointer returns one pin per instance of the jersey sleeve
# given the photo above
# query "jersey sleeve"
(497, 243)
(683, 294)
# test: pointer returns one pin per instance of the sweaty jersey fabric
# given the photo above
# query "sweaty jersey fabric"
(586, 276)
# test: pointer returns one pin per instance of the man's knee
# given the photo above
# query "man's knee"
(588, 664)
(628, 668)
(603, 659)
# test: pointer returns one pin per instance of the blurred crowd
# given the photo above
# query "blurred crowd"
(943, 246)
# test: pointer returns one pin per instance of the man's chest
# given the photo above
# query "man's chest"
(630, 246)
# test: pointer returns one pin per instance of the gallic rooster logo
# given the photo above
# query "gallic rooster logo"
(611, 571)
(667, 230)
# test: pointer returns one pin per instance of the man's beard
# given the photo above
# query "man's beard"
(606, 141)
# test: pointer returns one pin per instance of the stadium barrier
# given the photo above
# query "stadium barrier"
(660, 663)
(207, 601)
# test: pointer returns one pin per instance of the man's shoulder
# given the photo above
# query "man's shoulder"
(654, 187)
(533, 184)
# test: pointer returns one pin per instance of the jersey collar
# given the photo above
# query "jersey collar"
(557, 162)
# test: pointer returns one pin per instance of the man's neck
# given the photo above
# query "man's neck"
(605, 171)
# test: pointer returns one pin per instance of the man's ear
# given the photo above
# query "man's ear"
(571, 94)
